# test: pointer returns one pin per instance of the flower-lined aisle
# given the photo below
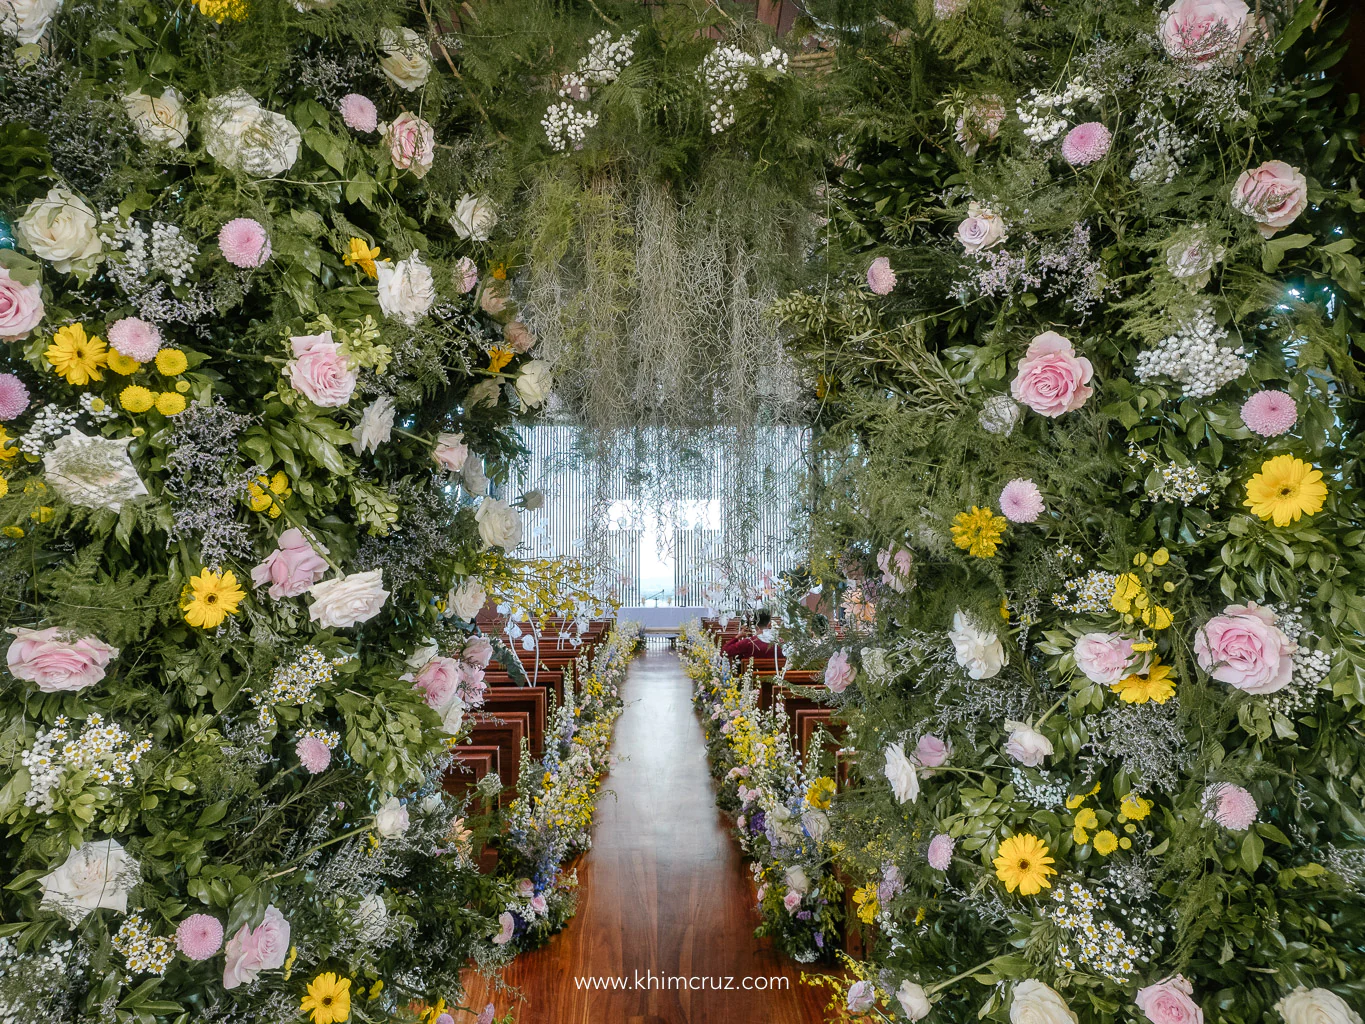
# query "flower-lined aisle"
(549, 824)
(780, 805)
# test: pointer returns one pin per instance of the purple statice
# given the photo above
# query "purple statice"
(206, 481)
(756, 821)
(1065, 269)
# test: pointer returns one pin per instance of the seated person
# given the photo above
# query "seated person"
(757, 646)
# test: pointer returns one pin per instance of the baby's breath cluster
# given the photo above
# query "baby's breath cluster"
(106, 754)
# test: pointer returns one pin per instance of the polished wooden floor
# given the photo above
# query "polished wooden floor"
(663, 891)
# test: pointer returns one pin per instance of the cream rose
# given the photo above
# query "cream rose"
(406, 289)
(62, 229)
(499, 525)
(900, 772)
(348, 600)
(1316, 1006)
(243, 136)
(412, 144)
(96, 876)
(976, 650)
(981, 230)
(1026, 744)
(391, 820)
(466, 600)
(405, 62)
(27, 20)
(474, 218)
(375, 426)
(1035, 1003)
(158, 119)
(913, 999)
(534, 383)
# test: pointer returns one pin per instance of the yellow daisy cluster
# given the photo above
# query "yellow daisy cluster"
(1132, 595)
(265, 494)
(223, 10)
(978, 532)
(1087, 822)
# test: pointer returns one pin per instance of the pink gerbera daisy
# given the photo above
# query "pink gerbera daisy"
(135, 338)
(1270, 413)
(1021, 501)
(13, 396)
(1230, 806)
(941, 851)
(244, 243)
(313, 754)
(1086, 143)
(199, 936)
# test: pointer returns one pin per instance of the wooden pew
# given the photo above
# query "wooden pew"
(504, 700)
(504, 731)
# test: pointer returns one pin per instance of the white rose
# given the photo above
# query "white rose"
(375, 426)
(981, 230)
(900, 772)
(499, 525)
(405, 62)
(999, 415)
(159, 119)
(976, 650)
(27, 20)
(534, 383)
(475, 479)
(473, 219)
(1035, 1003)
(96, 876)
(533, 500)
(347, 600)
(61, 229)
(243, 136)
(93, 471)
(1026, 744)
(816, 822)
(452, 716)
(466, 600)
(372, 919)
(391, 820)
(1316, 1006)
(913, 999)
(406, 288)
(796, 878)
(422, 656)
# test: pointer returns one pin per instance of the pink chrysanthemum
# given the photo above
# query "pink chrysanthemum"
(465, 275)
(1086, 143)
(13, 396)
(199, 936)
(244, 243)
(880, 277)
(486, 1017)
(1021, 501)
(1270, 413)
(359, 112)
(941, 851)
(1230, 806)
(134, 338)
(445, 1018)
(313, 754)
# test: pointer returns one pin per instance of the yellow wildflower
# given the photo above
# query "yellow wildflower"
(978, 532)
(136, 398)
(6, 452)
(821, 792)
(122, 364)
(223, 10)
(498, 358)
(1134, 807)
(1086, 818)
(1106, 842)
(359, 254)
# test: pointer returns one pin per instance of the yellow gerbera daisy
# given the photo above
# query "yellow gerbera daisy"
(359, 254)
(821, 792)
(1158, 685)
(77, 357)
(223, 10)
(978, 532)
(1285, 489)
(171, 361)
(210, 597)
(1106, 842)
(6, 452)
(1022, 863)
(328, 999)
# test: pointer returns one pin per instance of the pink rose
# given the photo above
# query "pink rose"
(791, 901)
(252, 951)
(450, 452)
(525, 887)
(477, 651)
(895, 568)
(1168, 1002)
(980, 122)
(1244, 648)
(1230, 806)
(465, 275)
(412, 143)
(839, 673)
(1205, 31)
(981, 230)
(1052, 379)
(359, 112)
(539, 904)
(57, 665)
(292, 568)
(518, 337)
(931, 751)
(1103, 657)
(1272, 195)
(319, 371)
(471, 685)
(880, 277)
(21, 307)
(439, 681)
(506, 927)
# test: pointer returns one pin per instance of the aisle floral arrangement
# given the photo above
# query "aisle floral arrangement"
(781, 808)
(257, 367)
(1091, 466)
(550, 821)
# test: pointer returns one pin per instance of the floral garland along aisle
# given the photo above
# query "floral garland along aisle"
(781, 809)
(1099, 553)
(550, 822)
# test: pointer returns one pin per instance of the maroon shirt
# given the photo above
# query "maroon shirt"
(747, 647)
